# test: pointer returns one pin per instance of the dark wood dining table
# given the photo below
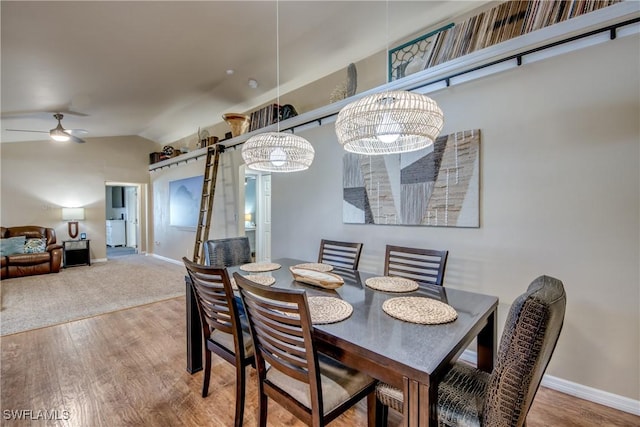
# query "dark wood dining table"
(412, 357)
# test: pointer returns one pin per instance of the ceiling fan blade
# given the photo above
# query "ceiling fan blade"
(76, 139)
(25, 130)
(76, 131)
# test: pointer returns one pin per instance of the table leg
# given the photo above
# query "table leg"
(487, 344)
(194, 331)
(419, 406)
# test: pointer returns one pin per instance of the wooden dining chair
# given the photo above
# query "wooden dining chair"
(222, 331)
(340, 254)
(227, 252)
(312, 386)
(470, 397)
(425, 266)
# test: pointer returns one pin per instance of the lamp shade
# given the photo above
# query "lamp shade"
(72, 214)
(277, 152)
(389, 122)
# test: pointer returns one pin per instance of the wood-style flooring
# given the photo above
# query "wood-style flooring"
(127, 368)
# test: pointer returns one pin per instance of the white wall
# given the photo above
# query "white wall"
(560, 195)
(175, 242)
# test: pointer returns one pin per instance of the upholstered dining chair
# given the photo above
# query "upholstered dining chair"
(227, 252)
(425, 266)
(340, 254)
(313, 387)
(470, 397)
(222, 331)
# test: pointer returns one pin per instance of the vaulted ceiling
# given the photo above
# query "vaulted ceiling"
(158, 69)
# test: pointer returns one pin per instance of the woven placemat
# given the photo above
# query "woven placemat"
(262, 280)
(326, 310)
(425, 311)
(317, 266)
(260, 266)
(392, 284)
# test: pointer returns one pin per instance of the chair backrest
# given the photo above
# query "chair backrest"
(425, 266)
(227, 252)
(280, 325)
(216, 302)
(529, 338)
(340, 254)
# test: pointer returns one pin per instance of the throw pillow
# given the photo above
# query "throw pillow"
(12, 245)
(35, 246)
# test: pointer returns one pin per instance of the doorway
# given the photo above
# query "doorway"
(122, 231)
(255, 212)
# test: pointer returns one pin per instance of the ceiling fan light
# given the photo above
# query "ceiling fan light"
(277, 152)
(388, 123)
(59, 135)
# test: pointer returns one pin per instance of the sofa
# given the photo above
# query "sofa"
(29, 250)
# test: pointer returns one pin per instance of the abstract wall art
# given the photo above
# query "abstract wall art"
(184, 201)
(438, 186)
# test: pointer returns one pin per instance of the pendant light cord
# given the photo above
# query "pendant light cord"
(278, 61)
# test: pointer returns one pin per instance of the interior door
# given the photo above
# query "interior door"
(263, 238)
(131, 204)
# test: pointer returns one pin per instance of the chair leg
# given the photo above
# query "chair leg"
(381, 414)
(262, 408)
(240, 389)
(207, 373)
(372, 409)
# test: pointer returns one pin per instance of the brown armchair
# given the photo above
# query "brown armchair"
(27, 264)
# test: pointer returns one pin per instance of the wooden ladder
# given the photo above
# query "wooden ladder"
(206, 202)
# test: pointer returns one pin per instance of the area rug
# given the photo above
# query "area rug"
(79, 292)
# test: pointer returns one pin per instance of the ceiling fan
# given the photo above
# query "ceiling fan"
(58, 133)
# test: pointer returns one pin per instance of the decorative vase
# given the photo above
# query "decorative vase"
(239, 123)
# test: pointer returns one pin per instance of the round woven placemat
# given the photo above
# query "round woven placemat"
(317, 266)
(260, 266)
(425, 311)
(262, 280)
(328, 309)
(392, 284)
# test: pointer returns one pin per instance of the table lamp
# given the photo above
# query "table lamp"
(73, 215)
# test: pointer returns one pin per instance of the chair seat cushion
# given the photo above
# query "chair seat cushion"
(339, 383)
(460, 396)
(226, 340)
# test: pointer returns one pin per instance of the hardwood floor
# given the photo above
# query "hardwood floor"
(127, 368)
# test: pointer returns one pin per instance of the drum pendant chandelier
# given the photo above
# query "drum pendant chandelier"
(277, 151)
(388, 123)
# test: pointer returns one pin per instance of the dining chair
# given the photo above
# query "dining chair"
(470, 397)
(425, 266)
(312, 386)
(222, 330)
(340, 254)
(227, 252)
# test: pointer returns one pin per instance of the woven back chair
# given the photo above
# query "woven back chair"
(313, 387)
(470, 397)
(340, 254)
(425, 266)
(227, 252)
(222, 331)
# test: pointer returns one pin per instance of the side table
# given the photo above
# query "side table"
(76, 252)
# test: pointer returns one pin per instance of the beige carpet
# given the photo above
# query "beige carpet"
(79, 292)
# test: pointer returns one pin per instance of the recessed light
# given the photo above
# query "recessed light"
(253, 83)
(230, 71)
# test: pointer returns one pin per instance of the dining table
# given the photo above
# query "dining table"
(412, 357)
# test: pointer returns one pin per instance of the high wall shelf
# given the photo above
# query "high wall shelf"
(616, 21)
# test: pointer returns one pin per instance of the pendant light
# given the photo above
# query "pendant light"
(277, 151)
(389, 122)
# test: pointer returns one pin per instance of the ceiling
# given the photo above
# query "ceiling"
(157, 69)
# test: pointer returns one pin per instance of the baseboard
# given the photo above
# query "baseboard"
(591, 394)
(172, 261)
